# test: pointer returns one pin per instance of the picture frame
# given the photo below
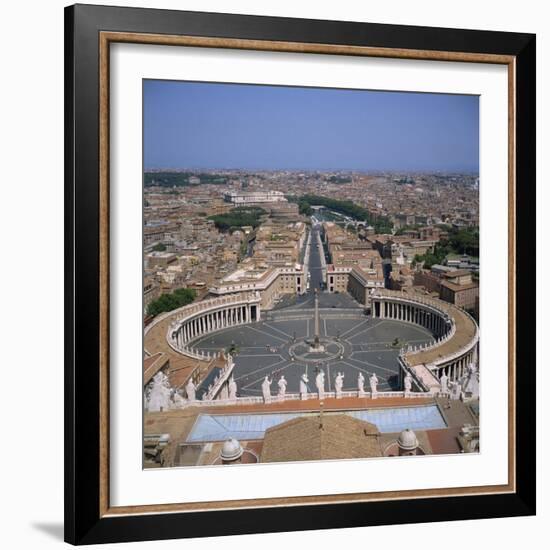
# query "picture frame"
(90, 31)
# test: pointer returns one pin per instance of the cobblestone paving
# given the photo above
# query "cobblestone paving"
(262, 349)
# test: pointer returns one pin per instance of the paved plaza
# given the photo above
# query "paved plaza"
(363, 345)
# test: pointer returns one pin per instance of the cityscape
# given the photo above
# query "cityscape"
(308, 313)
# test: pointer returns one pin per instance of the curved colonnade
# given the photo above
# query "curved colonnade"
(197, 320)
(454, 347)
(456, 336)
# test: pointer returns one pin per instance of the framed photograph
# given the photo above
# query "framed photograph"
(299, 274)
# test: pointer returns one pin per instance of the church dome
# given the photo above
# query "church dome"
(231, 450)
(407, 440)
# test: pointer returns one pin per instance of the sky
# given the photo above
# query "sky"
(253, 127)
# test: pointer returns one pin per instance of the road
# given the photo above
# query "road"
(315, 269)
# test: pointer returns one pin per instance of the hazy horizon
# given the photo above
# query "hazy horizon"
(305, 170)
(210, 126)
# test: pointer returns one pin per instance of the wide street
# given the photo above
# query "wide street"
(263, 349)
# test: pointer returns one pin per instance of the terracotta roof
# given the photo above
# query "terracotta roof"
(457, 273)
(181, 366)
(304, 438)
(457, 288)
(152, 364)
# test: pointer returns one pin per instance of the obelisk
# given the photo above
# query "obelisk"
(316, 342)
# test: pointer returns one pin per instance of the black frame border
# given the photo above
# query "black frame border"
(83, 524)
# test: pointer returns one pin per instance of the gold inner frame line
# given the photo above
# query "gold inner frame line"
(105, 39)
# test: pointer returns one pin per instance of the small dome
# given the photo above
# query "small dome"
(231, 450)
(407, 440)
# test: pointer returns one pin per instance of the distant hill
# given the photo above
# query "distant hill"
(181, 179)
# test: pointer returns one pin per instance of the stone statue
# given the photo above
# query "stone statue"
(408, 382)
(266, 389)
(303, 386)
(361, 384)
(190, 389)
(373, 381)
(338, 384)
(232, 386)
(224, 393)
(456, 390)
(178, 400)
(470, 385)
(159, 395)
(444, 381)
(282, 386)
(320, 383)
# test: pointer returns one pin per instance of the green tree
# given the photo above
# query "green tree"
(168, 302)
(180, 179)
(159, 247)
(465, 241)
(402, 230)
(381, 224)
(237, 218)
